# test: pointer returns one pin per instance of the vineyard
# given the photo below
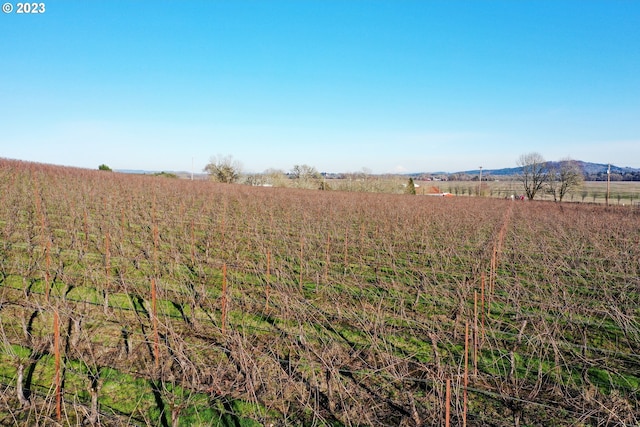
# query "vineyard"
(139, 300)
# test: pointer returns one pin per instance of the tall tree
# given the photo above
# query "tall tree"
(224, 169)
(304, 172)
(306, 176)
(410, 188)
(564, 177)
(534, 173)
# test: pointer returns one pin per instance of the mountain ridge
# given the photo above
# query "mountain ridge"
(587, 168)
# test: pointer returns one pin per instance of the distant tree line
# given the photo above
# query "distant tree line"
(614, 176)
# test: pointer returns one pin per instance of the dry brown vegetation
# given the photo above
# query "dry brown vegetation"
(147, 301)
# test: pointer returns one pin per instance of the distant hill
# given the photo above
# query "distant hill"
(590, 170)
(595, 168)
(180, 174)
(135, 171)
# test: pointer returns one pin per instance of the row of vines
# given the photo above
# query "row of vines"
(137, 300)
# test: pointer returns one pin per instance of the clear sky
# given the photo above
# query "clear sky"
(342, 85)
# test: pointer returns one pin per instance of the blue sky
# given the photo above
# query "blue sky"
(342, 85)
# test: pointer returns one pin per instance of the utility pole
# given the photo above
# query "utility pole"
(480, 185)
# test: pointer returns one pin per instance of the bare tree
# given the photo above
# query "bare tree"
(564, 177)
(224, 169)
(305, 175)
(534, 173)
(304, 172)
(275, 177)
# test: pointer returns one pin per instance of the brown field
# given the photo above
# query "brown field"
(137, 300)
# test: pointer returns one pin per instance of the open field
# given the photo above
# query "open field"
(136, 300)
(621, 193)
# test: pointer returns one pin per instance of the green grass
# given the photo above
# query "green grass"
(126, 394)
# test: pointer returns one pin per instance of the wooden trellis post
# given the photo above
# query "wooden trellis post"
(223, 300)
(267, 287)
(56, 352)
(154, 314)
(447, 406)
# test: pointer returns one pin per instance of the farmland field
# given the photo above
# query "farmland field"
(621, 193)
(136, 300)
